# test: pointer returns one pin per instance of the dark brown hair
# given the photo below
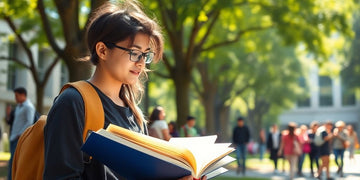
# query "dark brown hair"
(112, 23)
(291, 128)
(155, 115)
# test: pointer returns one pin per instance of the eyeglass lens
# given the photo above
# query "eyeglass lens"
(136, 55)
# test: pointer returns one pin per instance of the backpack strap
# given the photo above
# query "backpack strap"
(94, 112)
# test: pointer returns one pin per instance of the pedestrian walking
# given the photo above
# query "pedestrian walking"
(273, 145)
(314, 150)
(326, 135)
(305, 146)
(353, 142)
(23, 118)
(241, 137)
(262, 143)
(340, 143)
(290, 147)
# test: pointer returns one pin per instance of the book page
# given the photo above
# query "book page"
(216, 172)
(160, 146)
(204, 149)
(143, 149)
(183, 141)
(222, 162)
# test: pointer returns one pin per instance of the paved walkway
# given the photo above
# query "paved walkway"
(351, 172)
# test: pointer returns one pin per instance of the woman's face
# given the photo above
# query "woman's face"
(118, 64)
(162, 115)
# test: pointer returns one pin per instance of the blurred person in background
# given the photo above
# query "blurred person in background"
(273, 144)
(262, 143)
(241, 137)
(305, 146)
(314, 150)
(325, 148)
(23, 118)
(188, 129)
(353, 142)
(287, 146)
(173, 129)
(340, 143)
(157, 125)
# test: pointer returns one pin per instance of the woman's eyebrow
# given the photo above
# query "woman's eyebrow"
(137, 46)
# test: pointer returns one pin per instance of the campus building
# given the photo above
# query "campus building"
(328, 99)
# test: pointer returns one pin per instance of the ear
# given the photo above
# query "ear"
(101, 50)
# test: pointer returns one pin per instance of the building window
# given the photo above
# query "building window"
(347, 94)
(304, 100)
(325, 89)
(11, 71)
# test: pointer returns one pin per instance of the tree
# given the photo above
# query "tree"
(351, 69)
(190, 25)
(66, 39)
(73, 32)
(261, 71)
(19, 32)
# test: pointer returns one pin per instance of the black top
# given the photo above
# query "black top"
(270, 144)
(324, 149)
(314, 148)
(241, 135)
(63, 137)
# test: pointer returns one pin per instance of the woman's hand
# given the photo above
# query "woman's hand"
(191, 178)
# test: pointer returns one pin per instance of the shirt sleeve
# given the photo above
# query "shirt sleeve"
(163, 125)
(63, 137)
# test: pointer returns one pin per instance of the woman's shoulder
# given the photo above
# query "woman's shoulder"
(160, 123)
(69, 97)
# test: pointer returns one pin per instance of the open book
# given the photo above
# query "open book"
(137, 156)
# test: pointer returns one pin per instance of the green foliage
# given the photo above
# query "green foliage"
(17, 8)
(351, 68)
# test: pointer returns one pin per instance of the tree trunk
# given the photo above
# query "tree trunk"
(223, 120)
(182, 87)
(78, 70)
(208, 101)
(40, 98)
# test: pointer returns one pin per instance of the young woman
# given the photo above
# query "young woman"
(324, 149)
(314, 150)
(288, 141)
(121, 41)
(157, 125)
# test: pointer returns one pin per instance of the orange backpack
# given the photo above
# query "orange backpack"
(28, 161)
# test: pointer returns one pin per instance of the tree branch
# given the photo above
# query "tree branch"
(49, 70)
(25, 46)
(189, 53)
(161, 75)
(167, 63)
(236, 39)
(164, 17)
(17, 61)
(47, 28)
(210, 27)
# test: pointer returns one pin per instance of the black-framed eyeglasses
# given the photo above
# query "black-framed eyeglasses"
(135, 55)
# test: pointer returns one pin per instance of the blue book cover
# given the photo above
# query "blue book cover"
(129, 162)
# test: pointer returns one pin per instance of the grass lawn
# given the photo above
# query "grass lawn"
(253, 162)
(233, 178)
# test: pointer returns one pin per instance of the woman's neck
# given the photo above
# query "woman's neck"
(109, 87)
